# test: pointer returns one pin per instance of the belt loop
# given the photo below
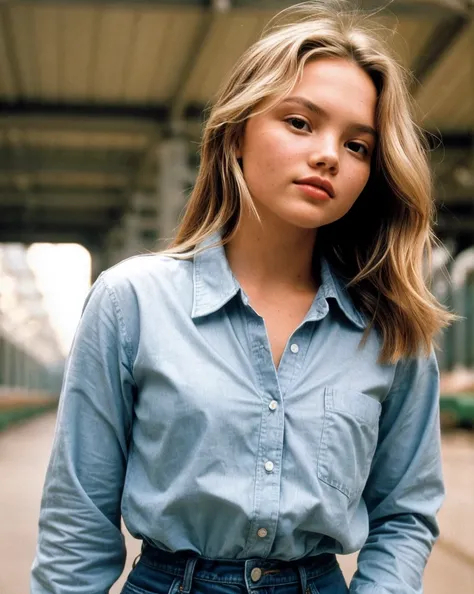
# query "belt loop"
(188, 575)
(302, 572)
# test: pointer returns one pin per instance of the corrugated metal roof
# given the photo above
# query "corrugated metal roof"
(411, 35)
(230, 35)
(95, 53)
(447, 97)
(135, 53)
(77, 78)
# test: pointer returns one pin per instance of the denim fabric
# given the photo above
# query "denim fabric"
(173, 415)
(158, 574)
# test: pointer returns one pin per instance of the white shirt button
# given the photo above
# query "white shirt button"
(262, 532)
(273, 405)
(268, 466)
(294, 348)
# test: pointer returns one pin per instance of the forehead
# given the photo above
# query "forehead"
(340, 87)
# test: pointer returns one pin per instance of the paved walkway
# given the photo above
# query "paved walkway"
(24, 453)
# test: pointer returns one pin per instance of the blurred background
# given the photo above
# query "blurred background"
(101, 110)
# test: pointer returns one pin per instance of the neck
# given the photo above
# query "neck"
(265, 256)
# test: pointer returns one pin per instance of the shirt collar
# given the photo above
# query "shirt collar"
(332, 285)
(215, 285)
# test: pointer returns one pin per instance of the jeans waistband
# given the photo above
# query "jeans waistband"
(253, 573)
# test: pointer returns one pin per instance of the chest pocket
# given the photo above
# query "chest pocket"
(348, 440)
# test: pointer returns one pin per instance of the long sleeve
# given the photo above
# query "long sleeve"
(405, 489)
(80, 547)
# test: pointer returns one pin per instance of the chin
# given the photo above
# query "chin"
(306, 221)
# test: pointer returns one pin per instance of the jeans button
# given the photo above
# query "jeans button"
(256, 574)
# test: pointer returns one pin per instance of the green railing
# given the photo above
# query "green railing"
(17, 414)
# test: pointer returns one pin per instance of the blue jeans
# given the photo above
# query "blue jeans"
(158, 572)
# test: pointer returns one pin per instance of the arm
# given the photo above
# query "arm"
(80, 548)
(405, 489)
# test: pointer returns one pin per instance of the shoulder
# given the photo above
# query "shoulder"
(141, 292)
(139, 275)
(416, 378)
(146, 267)
(416, 366)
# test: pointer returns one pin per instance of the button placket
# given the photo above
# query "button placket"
(294, 356)
(269, 466)
(267, 485)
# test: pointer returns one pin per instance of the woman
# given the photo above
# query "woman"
(264, 395)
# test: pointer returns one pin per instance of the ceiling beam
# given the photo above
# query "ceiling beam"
(454, 196)
(450, 140)
(398, 7)
(31, 160)
(208, 20)
(454, 224)
(55, 199)
(140, 119)
(40, 218)
(157, 3)
(443, 37)
(23, 120)
(47, 235)
(92, 117)
(436, 8)
(148, 112)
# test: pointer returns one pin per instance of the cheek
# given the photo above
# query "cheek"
(270, 142)
(358, 180)
(265, 158)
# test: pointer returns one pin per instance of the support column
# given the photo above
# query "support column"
(145, 208)
(462, 269)
(113, 249)
(7, 362)
(27, 371)
(140, 226)
(23, 369)
(175, 179)
(18, 367)
(98, 263)
(2, 360)
(470, 321)
(132, 244)
(32, 374)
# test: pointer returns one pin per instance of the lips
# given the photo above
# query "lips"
(318, 182)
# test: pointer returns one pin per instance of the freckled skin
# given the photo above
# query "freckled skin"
(290, 142)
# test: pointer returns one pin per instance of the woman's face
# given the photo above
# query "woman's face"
(307, 159)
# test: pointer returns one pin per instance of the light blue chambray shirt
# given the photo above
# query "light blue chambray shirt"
(172, 414)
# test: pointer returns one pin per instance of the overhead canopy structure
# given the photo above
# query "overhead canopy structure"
(89, 90)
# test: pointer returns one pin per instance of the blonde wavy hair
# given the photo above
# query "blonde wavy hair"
(379, 247)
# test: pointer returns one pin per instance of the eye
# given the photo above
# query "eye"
(359, 148)
(298, 123)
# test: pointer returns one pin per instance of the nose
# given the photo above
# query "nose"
(325, 154)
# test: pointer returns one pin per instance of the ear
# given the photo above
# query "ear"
(238, 155)
(239, 143)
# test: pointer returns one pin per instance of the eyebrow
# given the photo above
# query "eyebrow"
(322, 112)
